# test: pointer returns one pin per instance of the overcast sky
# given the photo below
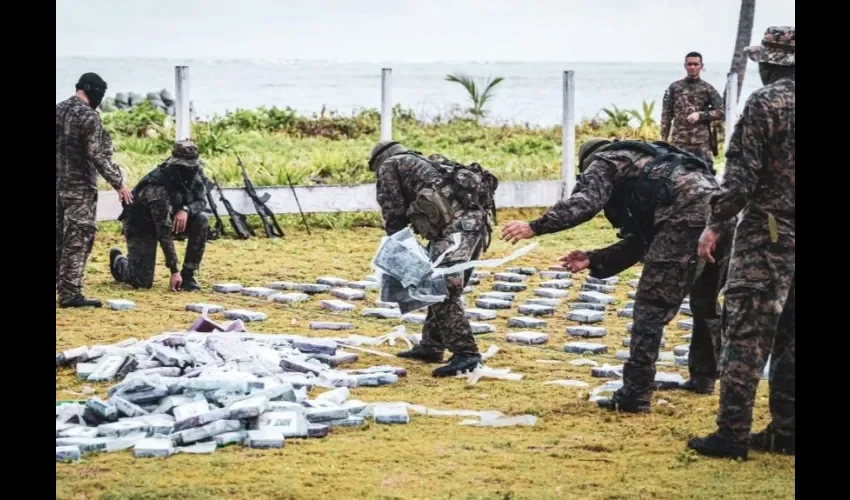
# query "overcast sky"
(409, 30)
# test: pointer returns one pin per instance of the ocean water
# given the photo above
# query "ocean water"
(530, 93)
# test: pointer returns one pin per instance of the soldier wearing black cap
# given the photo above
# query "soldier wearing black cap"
(83, 150)
(171, 199)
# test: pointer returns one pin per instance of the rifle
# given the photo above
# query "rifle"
(260, 205)
(712, 129)
(218, 230)
(306, 226)
(238, 221)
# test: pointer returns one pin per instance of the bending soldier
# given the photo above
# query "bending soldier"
(438, 198)
(83, 150)
(759, 316)
(170, 199)
(657, 196)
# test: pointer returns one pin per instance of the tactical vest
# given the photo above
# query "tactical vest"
(631, 208)
(178, 194)
(473, 187)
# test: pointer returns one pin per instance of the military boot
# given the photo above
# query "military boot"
(715, 445)
(189, 283)
(80, 301)
(698, 385)
(418, 352)
(769, 441)
(459, 363)
(620, 404)
(113, 257)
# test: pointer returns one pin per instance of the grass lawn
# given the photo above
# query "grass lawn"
(574, 451)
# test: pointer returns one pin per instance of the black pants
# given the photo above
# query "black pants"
(138, 268)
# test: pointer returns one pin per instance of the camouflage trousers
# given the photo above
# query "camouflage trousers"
(758, 321)
(138, 268)
(76, 227)
(671, 269)
(701, 150)
(446, 325)
(705, 345)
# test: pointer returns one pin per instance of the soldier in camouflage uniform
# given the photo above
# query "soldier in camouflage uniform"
(169, 199)
(759, 315)
(665, 236)
(83, 150)
(404, 179)
(691, 105)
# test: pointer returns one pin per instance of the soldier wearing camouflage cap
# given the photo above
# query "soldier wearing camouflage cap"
(170, 200)
(759, 319)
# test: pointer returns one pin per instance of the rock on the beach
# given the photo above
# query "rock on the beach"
(258, 291)
(199, 308)
(245, 315)
(536, 310)
(526, 322)
(335, 305)
(121, 304)
(586, 316)
(480, 314)
(550, 293)
(330, 325)
(381, 312)
(227, 287)
(585, 347)
(527, 337)
(587, 331)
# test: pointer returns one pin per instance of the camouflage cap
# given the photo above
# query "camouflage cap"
(777, 47)
(185, 153)
(383, 151)
(589, 147)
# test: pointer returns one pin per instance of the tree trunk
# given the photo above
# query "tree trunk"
(742, 40)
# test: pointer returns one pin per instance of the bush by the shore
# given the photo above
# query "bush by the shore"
(332, 149)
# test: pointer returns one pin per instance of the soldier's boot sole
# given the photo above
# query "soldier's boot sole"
(716, 446)
(114, 253)
(624, 406)
(420, 355)
(80, 301)
(458, 364)
(698, 386)
(770, 442)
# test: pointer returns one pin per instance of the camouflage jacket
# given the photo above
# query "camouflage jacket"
(682, 98)
(400, 179)
(609, 170)
(83, 148)
(760, 168)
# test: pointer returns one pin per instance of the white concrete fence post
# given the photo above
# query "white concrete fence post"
(568, 136)
(182, 109)
(386, 104)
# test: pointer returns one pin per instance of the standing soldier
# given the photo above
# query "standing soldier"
(439, 198)
(170, 199)
(759, 320)
(83, 149)
(691, 105)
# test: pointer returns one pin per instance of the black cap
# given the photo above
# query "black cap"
(92, 81)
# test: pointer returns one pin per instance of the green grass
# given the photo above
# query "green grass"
(574, 451)
(334, 149)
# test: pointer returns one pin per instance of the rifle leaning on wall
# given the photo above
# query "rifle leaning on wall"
(238, 221)
(272, 229)
(214, 232)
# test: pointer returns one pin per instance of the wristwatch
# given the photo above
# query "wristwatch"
(185, 209)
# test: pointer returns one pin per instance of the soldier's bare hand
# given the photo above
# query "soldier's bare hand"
(707, 242)
(516, 230)
(575, 261)
(693, 117)
(176, 282)
(179, 224)
(125, 196)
